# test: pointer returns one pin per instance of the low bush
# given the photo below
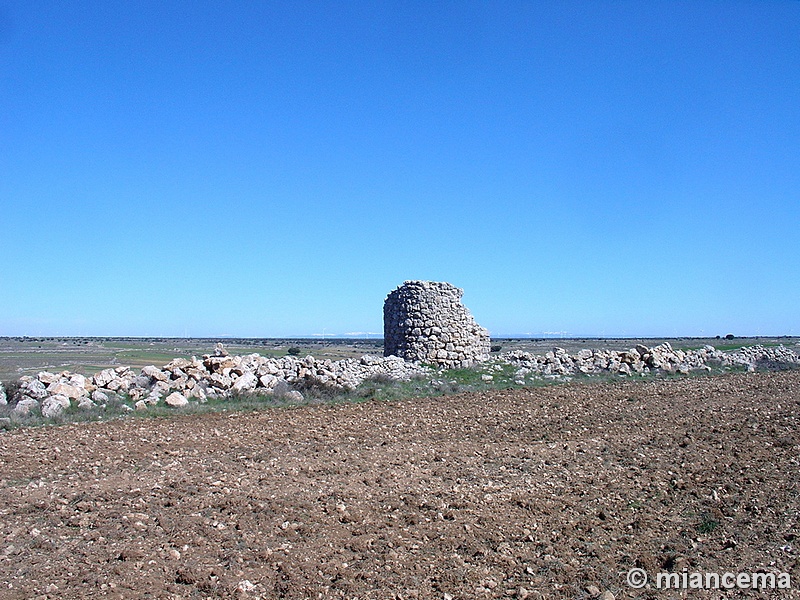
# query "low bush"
(11, 388)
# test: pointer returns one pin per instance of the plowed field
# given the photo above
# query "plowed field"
(539, 493)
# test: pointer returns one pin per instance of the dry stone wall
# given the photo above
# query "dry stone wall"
(425, 321)
(183, 381)
(643, 360)
(216, 376)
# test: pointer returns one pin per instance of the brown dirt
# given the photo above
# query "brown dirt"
(543, 492)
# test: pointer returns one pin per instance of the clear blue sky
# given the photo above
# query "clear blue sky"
(276, 168)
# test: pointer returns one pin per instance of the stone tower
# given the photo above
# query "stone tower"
(424, 321)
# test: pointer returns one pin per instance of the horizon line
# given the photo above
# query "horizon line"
(375, 336)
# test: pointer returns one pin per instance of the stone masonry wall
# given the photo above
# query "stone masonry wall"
(424, 321)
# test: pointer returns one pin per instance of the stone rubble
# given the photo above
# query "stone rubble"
(216, 376)
(752, 356)
(642, 360)
(221, 375)
(425, 321)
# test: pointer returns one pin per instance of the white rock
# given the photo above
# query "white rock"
(245, 383)
(25, 405)
(268, 381)
(86, 403)
(222, 382)
(178, 384)
(293, 396)
(99, 396)
(117, 384)
(176, 400)
(52, 406)
(140, 405)
(78, 380)
(161, 388)
(104, 377)
(47, 378)
(198, 393)
(154, 373)
(66, 389)
(3, 398)
(33, 388)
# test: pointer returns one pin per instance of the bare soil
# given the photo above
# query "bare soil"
(537, 493)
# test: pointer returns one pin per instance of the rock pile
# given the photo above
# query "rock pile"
(425, 321)
(752, 357)
(643, 360)
(214, 376)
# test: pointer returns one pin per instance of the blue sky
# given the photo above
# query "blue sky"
(276, 168)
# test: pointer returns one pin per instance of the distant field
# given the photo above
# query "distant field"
(25, 356)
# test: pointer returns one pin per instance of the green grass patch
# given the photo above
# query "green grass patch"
(707, 524)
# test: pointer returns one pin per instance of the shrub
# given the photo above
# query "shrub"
(707, 524)
(496, 348)
(768, 364)
(294, 351)
(12, 388)
(380, 378)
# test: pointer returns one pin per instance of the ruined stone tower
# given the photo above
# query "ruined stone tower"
(424, 321)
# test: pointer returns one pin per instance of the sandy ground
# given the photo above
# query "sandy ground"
(540, 493)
